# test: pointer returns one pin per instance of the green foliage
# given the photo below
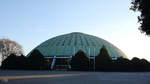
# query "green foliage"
(143, 6)
(103, 59)
(36, 60)
(80, 61)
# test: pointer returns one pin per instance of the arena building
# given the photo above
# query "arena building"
(59, 50)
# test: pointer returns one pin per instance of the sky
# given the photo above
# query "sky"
(31, 22)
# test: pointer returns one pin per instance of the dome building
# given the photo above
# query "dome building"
(65, 46)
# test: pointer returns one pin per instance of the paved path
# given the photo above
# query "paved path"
(37, 76)
(60, 77)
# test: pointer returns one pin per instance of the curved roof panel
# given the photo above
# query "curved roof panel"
(69, 44)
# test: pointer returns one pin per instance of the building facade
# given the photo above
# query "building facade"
(59, 50)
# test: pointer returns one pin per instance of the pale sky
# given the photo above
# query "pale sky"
(31, 22)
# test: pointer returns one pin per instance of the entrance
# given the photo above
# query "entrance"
(62, 64)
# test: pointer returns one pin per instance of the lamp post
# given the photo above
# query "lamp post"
(89, 57)
(94, 59)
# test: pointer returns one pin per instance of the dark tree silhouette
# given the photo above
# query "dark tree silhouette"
(123, 64)
(136, 65)
(145, 65)
(144, 61)
(135, 60)
(140, 64)
(143, 6)
(80, 61)
(15, 62)
(103, 60)
(36, 60)
(9, 62)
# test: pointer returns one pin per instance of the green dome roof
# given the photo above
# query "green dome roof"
(69, 44)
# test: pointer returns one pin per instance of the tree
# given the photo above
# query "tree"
(8, 47)
(36, 60)
(21, 62)
(9, 62)
(103, 59)
(136, 64)
(145, 65)
(15, 62)
(140, 64)
(80, 61)
(122, 64)
(144, 61)
(135, 60)
(143, 6)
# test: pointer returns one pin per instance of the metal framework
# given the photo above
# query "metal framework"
(54, 58)
(67, 45)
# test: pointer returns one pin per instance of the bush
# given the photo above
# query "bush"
(15, 62)
(103, 60)
(80, 61)
(36, 60)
